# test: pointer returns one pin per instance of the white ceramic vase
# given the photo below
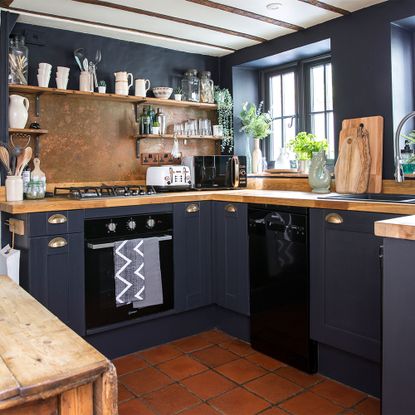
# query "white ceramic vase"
(18, 111)
(256, 157)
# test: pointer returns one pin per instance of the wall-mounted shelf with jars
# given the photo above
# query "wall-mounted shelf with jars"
(38, 91)
(180, 137)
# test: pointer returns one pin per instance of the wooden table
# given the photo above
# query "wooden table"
(46, 368)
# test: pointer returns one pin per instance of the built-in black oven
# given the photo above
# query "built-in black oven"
(100, 236)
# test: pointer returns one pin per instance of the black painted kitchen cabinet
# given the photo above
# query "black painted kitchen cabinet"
(52, 263)
(346, 281)
(230, 256)
(192, 255)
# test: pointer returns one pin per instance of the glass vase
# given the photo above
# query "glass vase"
(18, 60)
(319, 177)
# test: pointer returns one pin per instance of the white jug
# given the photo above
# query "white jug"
(141, 87)
(18, 111)
(121, 82)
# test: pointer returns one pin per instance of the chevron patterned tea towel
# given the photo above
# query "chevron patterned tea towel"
(129, 257)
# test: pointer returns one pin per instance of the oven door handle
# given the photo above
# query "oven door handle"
(112, 244)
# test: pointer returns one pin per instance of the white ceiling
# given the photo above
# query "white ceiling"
(166, 33)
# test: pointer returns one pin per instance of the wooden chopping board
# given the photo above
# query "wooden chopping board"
(374, 125)
(353, 163)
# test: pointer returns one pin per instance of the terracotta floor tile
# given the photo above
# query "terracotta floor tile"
(170, 400)
(181, 367)
(145, 380)
(190, 344)
(134, 407)
(201, 410)
(241, 370)
(208, 384)
(273, 388)
(370, 406)
(239, 402)
(160, 354)
(274, 411)
(310, 404)
(124, 393)
(215, 356)
(338, 393)
(216, 336)
(129, 363)
(297, 376)
(265, 361)
(239, 347)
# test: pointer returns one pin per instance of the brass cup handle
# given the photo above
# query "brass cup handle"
(334, 218)
(230, 208)
(192, 208)
(57, 242)
(57, 219)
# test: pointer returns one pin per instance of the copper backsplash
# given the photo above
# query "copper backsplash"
(93, 139)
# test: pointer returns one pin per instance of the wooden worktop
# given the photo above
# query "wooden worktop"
(40, 357)
(400, 228)
(274, 197)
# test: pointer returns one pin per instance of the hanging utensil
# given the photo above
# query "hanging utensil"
(16, 150)
(79, 57)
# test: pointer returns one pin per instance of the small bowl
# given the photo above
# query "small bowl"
(162, 92)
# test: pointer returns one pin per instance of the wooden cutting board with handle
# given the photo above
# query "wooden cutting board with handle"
(353, 162)
(374, 126)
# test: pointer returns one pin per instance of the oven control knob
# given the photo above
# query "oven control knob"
(131, 225)
(112, 227)
(150, 223)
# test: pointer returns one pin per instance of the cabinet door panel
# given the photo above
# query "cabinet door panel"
(346, 282)
(231, 272)
(192, 255)
(56, 277)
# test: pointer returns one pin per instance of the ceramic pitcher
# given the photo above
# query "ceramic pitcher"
(18, 111)
(121, 82)
(141, 87)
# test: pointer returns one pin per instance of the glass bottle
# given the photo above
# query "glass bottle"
(18, 60)
(161, 119)
(207, 88)
(191, 86)
(152, 116)
(144, 123)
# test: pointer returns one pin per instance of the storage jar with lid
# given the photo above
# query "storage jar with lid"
(191, 86)
(207, 89)
(35, 190)
(18, 60)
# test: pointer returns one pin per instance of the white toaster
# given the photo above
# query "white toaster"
(169, 178)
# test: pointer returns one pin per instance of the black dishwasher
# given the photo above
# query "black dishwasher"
(279, 285)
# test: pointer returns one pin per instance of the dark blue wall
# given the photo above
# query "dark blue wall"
(164, 67)
(361, 57)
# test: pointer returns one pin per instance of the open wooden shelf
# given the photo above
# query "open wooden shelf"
(31, 131)
(29, 89)
(180, 137)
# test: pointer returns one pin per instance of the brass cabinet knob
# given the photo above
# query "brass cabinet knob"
(230, 208)
(192, 208)
(57, 219)
(57, 242)
(334, 218)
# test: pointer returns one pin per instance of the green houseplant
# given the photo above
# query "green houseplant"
(178, 92)
(224, 101)
(255, 124)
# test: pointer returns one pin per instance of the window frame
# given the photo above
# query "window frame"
(301, 70)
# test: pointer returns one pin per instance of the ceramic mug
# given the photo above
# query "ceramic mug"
(141, 87)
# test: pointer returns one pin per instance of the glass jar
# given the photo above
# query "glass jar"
(35, 190)
(191, 86)
(207, 89)
(18, 60)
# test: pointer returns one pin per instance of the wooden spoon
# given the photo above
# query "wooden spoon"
(23, 160)
(5, 159)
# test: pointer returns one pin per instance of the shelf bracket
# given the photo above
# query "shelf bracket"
(37, 105)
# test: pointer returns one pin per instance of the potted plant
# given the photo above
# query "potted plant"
(178, 92)
(156, 127)
(102, 87)
(224, 101)
(255, 124)
(304, 145)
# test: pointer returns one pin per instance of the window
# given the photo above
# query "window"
(300, 98)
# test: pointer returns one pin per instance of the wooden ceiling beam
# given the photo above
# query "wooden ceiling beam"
(246, 13)
(149, 13)
(326, 6)
(121, 28)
